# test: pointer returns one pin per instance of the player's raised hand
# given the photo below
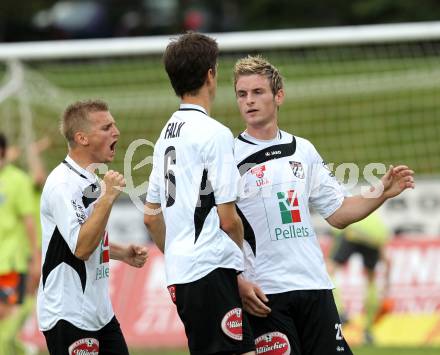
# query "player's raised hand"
(113, 183)
(397, 179)
(253, 298)
(136, 255)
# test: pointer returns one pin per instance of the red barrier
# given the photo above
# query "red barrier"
(149, 318)
(413, 280)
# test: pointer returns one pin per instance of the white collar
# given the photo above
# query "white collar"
(252, 139)
(79, 170)
(195, 107)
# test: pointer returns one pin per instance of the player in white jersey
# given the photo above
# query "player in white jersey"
(74, 308)
(190, 205)
(282, 175)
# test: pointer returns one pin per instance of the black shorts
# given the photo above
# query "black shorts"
(304, 322)
(345, 248)
(64, 338)
(211, 311)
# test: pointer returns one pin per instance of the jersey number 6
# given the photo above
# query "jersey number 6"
(170, 178)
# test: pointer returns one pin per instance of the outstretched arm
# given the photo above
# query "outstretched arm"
(134, 255)
(354, 208)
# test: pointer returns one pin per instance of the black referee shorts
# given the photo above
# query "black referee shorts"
(66, 339)
(345, 248)
(304, 322)
(211, 311)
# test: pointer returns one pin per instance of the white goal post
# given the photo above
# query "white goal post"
(233, 41)
(361, 93)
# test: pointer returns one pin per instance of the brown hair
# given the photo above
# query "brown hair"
(260, 66)
(76, 117)
(187, 60)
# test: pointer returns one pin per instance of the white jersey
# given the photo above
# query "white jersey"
(70, 288)
(193, 171)
(280, 179)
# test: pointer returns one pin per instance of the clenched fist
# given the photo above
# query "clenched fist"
(112, 184)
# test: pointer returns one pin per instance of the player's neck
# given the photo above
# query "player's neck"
(267, 132)
(81, 159)
(201, 99)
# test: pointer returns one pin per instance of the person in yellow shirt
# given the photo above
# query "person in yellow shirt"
(19, 251)
(366, 238)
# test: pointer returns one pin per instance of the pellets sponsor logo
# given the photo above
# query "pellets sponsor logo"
(289, 207)
(232, 324)
(290, 215)
(85, 346)
(273, 343)
(105, 251)
(103, 271)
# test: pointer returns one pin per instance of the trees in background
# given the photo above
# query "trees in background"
(51, 19)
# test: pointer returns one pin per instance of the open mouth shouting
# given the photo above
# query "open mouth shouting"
(113, 147)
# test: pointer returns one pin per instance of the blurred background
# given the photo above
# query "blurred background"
(63, 19)
(362, 81)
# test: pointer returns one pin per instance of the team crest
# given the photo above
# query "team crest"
(85, 346)
(232, 324)
(297, 169)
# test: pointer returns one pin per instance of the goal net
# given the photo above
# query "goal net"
(361, 94)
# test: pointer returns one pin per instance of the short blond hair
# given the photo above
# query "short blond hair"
(76, 117)
(260, 66)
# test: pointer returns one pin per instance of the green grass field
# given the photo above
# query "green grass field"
(367, 350)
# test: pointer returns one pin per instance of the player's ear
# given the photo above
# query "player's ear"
(210, 76)
(279, 97)
(81, 138)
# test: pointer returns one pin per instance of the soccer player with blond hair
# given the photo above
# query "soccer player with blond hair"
(282, 175)
(73, 304)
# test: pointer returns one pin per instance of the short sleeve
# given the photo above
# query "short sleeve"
(153, 192)
(222, 170)
(327, 194)
(68, 212)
